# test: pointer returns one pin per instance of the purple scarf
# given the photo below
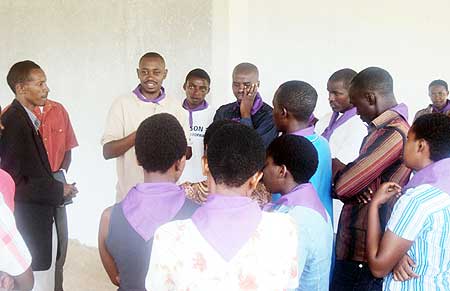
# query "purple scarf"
(337, 121)
(303, 195)
(149, 205)
(435, 175)
(304, 132)
(202, 106)
(227, 222)
(401, 109)
(443, 110)
(139, 94)
(257, 104)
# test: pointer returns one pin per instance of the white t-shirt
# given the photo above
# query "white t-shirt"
(200, 122)
(183, 260)
(346, 140)
(124, 117)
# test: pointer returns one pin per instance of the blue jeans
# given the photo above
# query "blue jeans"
(354, 276)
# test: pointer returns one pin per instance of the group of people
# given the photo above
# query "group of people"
(238, 198)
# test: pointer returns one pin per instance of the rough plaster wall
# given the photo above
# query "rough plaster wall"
(89, 50)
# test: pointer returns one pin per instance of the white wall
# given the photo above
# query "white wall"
(90, 49)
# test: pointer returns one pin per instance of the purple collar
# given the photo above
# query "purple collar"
(227, 222)
(139, 94)
(443, 110)
(402, 110)
(304, 132)
(304, 195)
(149, 205)
(435, 175)
(202, 106)
(312, 120)
(336, 121)
(257, 104)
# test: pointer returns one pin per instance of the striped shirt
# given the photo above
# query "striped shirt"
(379, 161)
(15, 258)
(422, 215)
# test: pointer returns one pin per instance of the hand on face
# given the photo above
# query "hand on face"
(248, 98)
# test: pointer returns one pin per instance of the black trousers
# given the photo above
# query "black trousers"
(354, 276)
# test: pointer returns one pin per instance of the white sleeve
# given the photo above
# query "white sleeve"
(114, 128)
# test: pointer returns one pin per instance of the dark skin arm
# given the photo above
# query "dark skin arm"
(383, 251)
(403, 270)
(116, 148)
(107, 260)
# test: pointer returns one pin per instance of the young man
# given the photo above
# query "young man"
(227, 243)
(127, 112)
(291, 161)
(293, 104)
(438, 93)
(419, 225)
(127, 228)
(380, 160)
(249, 108)
(59, 140)
(200, 115)
(24, 157)
(342, 128)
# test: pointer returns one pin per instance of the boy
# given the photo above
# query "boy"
(290, 162)
(200, 115)
(293, 104)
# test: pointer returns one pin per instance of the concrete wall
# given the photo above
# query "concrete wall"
(90, 50)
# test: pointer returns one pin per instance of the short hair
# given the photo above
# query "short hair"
(438, 83)
(298, 97)
(160, 142)
(374, 79)
(246, 67)
(435, 129)
(152, 55)
(20, 72)
(297, 153)
(199, 73)
(235, 153)
(212, 129)
(344, 75)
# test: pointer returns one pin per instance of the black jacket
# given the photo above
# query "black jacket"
(24, 157)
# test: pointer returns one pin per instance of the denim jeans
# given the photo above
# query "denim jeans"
(354, 276)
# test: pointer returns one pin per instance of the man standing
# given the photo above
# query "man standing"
(200, 115)
(342, 128)
(438, 92)
(380, 160)
(127, 112)
(59, 139)
(24, 157)
(249, 108)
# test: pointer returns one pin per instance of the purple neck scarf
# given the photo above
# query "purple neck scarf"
(202, 106)
(227, 222)
(443, 110)
(337, 121)
(304, 195)
(435, 175)
(139, 94)
(257, 104)
(304, 132)
(401, 109)
(149, 205)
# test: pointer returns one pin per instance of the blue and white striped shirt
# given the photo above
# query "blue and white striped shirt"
(422, 215)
